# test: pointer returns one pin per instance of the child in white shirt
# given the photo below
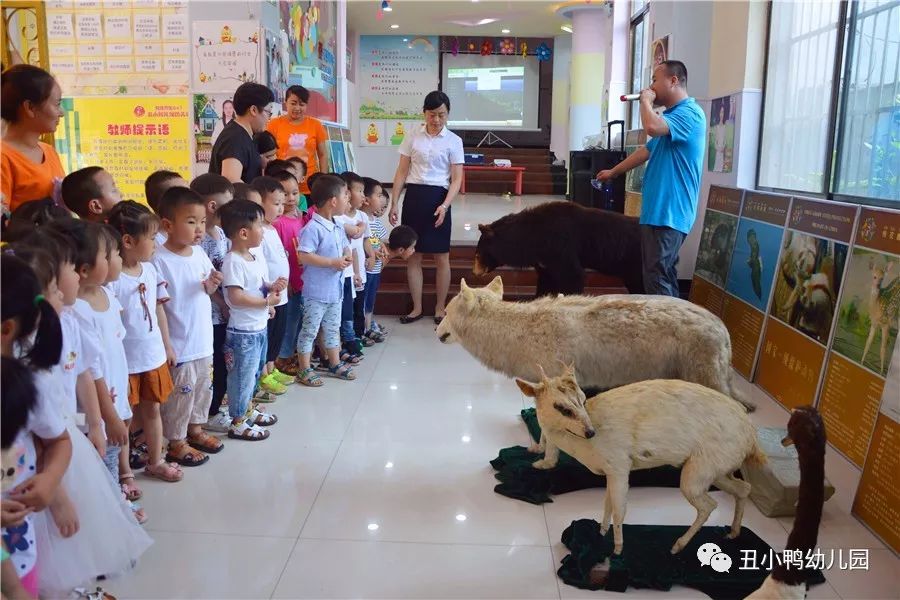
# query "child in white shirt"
(137, 289)
(273, 195)
(250, 295)
(190, 280)
(356, 225)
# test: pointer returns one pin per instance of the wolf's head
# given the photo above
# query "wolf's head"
(560, 403)
(464, 303)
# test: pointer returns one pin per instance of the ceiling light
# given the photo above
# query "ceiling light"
(385, 6)
(504, 31)
(566, 28)
(485, 21)
(388, 465)
(395, 26)
(460, 517)
(466, 439)
(373, 526)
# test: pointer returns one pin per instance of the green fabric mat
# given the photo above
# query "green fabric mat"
(519, 480)
(646, 561)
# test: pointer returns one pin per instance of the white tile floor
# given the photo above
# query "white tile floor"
(381, 488)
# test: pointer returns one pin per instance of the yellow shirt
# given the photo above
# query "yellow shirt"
(301, 140)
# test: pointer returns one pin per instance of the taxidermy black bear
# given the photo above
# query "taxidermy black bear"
(560, 240)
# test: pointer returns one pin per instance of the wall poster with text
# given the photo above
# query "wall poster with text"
(310, 29)
(716, 245)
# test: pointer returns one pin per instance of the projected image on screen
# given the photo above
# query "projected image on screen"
(495, 95)
(491, 92)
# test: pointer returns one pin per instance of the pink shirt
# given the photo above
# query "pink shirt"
(289, 229)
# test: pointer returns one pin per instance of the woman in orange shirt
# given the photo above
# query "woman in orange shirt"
(30, 103)
(299, 135)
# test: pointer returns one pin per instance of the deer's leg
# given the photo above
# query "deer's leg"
(740, 490)
(617, 496)
(869, 339)
(885, 330)
(607, 510)
(695, 487)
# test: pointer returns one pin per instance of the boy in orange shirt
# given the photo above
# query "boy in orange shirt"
(299, 135)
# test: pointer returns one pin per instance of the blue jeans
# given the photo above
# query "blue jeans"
(315, 315)
(111, 460)
(244, 358)
(347, 333)
(659, 253)
(373, 280)
(292, 330)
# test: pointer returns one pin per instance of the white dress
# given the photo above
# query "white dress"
(109, 540)
(720, 148)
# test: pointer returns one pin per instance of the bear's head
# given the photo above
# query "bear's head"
(485, 259)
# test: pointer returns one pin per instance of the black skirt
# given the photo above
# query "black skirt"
(419, 205)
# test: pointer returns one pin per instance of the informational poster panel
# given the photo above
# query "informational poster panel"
(129, 136)
(865, 335)
(723, 206)
(808, 281)
(126, 47)
(225, 55)
(309, 38)
(877, 501)
(751, 276)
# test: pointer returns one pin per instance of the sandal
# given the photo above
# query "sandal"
(349, 357)
(375, 336)
(245, 431)
(205, 443)
(309, 378)
(342, 371)
(164, 471)
(189, 458)
(131, 490)
(264, 397)
(262, 419)
(367, 342)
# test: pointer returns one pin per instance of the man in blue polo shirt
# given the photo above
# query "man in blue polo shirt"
(672, 179)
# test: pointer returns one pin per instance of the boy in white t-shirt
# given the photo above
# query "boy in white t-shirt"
(251, 296)
(190, 279)
(273, 195)
(356, 225)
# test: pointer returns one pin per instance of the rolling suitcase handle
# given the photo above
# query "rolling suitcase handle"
(609, 127)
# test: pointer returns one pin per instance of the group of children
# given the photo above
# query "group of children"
(125, 329)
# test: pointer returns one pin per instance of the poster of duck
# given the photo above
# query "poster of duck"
(225, 55)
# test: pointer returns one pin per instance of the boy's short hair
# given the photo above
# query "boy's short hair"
(175, 198)
(79, 188)
(311, 180)
(369, 185)
(325, 188)
(299, 162)
(276, 165)
(132, 218)
(238, 214)
(282, 176)
(210, 184)
(266, 185)
(265, 142)
(240, 190)
(155, 186)
(351, 177)
(402, 237)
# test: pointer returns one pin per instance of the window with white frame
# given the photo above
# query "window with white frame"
(831, 117)
(638, 45)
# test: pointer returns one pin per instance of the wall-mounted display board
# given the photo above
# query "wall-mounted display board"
(723, 206)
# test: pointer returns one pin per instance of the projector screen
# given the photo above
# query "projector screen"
(492, 92)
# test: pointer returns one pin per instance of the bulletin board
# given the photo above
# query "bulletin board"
(116, 47)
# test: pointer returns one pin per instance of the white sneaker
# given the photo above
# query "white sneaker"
(218, 423)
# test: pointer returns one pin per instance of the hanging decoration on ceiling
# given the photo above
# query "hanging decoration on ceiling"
(471, 46)
(487, 47)
(543, 52)
(507, 46)
(523, 49)
(454, 47)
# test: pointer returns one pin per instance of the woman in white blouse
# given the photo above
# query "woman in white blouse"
(431, 167)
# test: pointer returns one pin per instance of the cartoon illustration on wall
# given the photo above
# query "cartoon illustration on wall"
(399, 134)
(372, 134)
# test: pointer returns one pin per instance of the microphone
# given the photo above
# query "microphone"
(629, 97)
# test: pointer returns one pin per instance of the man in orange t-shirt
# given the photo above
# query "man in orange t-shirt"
(299, 135)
